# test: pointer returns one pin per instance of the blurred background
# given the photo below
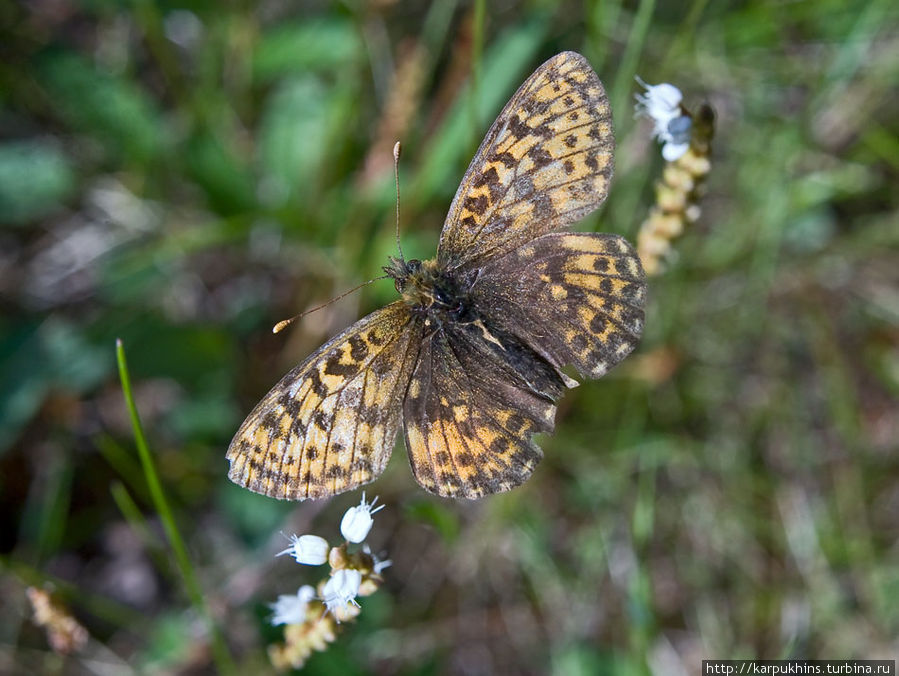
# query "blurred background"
(182, 175)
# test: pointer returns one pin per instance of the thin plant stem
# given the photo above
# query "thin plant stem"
(195, 593)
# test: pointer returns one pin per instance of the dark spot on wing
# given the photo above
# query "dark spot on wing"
(358, 349)
(518, 128)
(540, 156)
(578, 342)
(477, 205)
(321, 420)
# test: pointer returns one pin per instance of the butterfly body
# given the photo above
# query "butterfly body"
(469, 359)
(429, 291)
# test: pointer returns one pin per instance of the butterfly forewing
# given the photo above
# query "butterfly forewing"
(330, 424)
(545, 163)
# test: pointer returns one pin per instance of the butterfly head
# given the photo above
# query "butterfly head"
(401, 271)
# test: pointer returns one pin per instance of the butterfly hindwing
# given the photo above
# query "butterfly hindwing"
(330, 424)
(545, 163)
(576, 298)
(475, 398)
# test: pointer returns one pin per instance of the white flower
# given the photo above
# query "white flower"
(662, 104)
(357, 521)
(379, 565)
(341, 589)
(309, 549)
(291, 608)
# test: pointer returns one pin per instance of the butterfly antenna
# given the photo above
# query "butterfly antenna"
(396, 175)
(284, 323)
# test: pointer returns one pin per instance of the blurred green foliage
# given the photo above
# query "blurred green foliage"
(35, 177)
(182, 175)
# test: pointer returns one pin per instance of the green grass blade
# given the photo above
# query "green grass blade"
(191, 584)
(624, 79)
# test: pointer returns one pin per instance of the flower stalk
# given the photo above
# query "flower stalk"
(686, 139)
(314, 615)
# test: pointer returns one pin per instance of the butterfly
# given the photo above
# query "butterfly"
(469, 358)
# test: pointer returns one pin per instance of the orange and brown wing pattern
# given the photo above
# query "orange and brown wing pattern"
(576, 298)
(474, 400)
(330, 424)
(545, 163)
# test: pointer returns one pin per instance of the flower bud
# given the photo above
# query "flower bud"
(311, 550)
(357, 521)
(291, 608)
(341, 589)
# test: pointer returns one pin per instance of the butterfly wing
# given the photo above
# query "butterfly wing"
(330, 424)
(575, 298)
(545, 163)
(475, 398)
